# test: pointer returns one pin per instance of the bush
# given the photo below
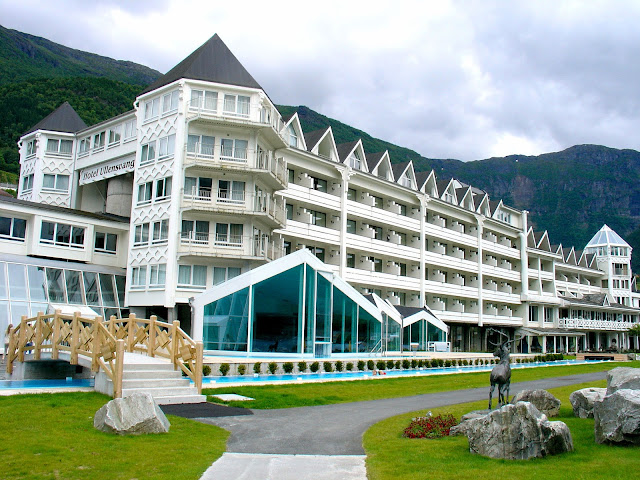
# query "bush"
(447, 363)
(302, 366)
(242, 369)
(434, 362)
(390, 364)
(361, 365)
(287, 367)
(224, 369)
(339, 366)
(430, 427)
(381, 364)
(206, 370)
(273, 366)
(256, 367)
(315, 366)
(421, 363)
(328, 367)
(370, 364)
(398, 364)
(465, 362)
(440, 362)
(414, 363)
(350, 366)
(406, 364)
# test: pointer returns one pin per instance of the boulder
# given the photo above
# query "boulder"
(582, 401)
(623, 378)
(132, 415)
(461, 428)
(517, 432)
(543, 400)
(617, 417)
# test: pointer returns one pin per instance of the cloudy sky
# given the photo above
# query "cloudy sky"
(449, 79)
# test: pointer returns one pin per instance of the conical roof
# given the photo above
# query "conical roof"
(606, 236)
(212, 62)
(62, 119)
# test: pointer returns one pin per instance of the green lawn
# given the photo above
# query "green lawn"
(392, 457)
(51, 436)
(309, 394)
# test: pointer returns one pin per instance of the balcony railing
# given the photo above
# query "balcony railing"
(588, 324)
(216, 244)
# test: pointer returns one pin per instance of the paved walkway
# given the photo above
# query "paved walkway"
(308, 442)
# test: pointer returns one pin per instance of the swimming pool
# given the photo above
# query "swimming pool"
(34, 384)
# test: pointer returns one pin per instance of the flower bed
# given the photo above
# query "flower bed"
(430, 426)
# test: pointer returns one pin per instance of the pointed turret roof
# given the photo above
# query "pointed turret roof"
(606, 236)
(62, 119)
(212, 62)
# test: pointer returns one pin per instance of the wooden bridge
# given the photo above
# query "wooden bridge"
(134, 354)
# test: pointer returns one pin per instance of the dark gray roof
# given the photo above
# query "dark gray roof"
(594, 300)
(493, 204)
(538, 236)
(55, 208)
(421, 178)
(345, 149)
(312, 138)
(461, 192)
(442, 185)
(408, 311)
(286, 118)
(62, 119)
(398, 168)
(212, 62)
(374, 158)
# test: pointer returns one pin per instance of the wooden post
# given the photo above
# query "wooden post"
(175, 343)
(197, 377)
(12, 347)
(96, 344)
(22, 341)
(118, 369)
(55, 335)
(75, 340)
(112, 325)
(131, 332)
(151, 343)
(37, 341)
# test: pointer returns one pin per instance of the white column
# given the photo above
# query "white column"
(424, 200)
(480, 279)
(345, 174)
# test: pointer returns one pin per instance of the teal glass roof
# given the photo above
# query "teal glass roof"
(606, 236)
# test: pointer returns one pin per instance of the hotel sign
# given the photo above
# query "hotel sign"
(106, 170)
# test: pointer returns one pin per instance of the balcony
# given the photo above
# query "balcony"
(231, 202)
(213, 157)
(199, 244)
(588, 324)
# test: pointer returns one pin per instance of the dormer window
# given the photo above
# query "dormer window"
(293, 137)
(448, 197)
(355, 161)
(405, 181)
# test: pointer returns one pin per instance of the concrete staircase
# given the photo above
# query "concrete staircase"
(142, 374)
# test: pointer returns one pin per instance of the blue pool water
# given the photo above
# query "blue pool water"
(26, 384)
(355, 375)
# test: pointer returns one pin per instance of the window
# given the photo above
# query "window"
(403, 269)
(199, 187)
(167, 146)
(62, 235)
(204, 99)
(222, 274)
(12, 228)
(170, 102)
(230, 191)
(115, 135)
(377, 232)
(377, 264)
(98, 141)
(148, 154)
(403, 238)
(145, 191)
(55, 182)
(229, 234)
(151, 109)
(163, 188)
(59, 147)
(31, 148)
(292, 175)
(106, 242)
(352, 194)
(192, 276)
(157, 275)
(405, 181)
(377, 202)
(27, 183)
(318, 218)
(318, 252)
(138, 277)
(130, 130)
(351, 260)
(403, 209)
(236, 105)
(355, 161)
(85, 146)
(201, 145)
(141, 235)
(293, 137)
(196, 231)
(160, 232)
(319, 184)
(234, 149)
(289, 208)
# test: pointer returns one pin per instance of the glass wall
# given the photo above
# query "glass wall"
(226, 321)
(369, 331)
(345, 323)
(420, 333)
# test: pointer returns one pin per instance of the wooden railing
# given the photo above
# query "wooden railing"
(105, 342)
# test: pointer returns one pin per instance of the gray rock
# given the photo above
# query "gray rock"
(543, 400)
(132, 415)
(461, 428)
(517, 432)
(623, 378)
(617, 418)
(582, 401)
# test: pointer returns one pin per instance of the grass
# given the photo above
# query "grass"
(393, 457)
(310, 394)
(51, 436)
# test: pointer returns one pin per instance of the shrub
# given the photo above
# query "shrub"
(421, 363)
(406, 364)
(315, 366)
(381, 364)
(302, 366)
(287, 367)
(273, 366)
(242, 369)
(370, 364)
(350, 366)
(390, 364)
(440, 362)
(224, 369)
(447, 363)
(465, 362)
(256, 367)
(328, 367)
(434, 362)
(206, 370)
(414, 363)
(361, 365)
(430, 426)
(339, 366)
(398, 365)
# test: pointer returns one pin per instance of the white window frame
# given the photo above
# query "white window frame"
(191, 283)
(151, 109)
(105, 243)
(163, 189)
(235, 193)
(230, 145)
(139, 277)
(58, 182)
(170, 102)
(98, 141)
(234, 100)
(204, 100)
(58, 147)
(115, 135)
(12, 227)
(145, 193)
(130, 130)
(166, 147)
(31, 148)
(160, 233)
(148, 153)
(195, 147)
(157, 275)
(84, 147)
(57, 226)
(226, 239)
(141, 234)
(27, 183)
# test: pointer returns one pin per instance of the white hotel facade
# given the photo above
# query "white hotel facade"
(204, 180)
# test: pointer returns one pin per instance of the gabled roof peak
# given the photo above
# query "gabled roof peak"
(62, 119)
(211, 62)
(606, 236)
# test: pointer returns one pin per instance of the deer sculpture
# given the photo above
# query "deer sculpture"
(501, 373)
